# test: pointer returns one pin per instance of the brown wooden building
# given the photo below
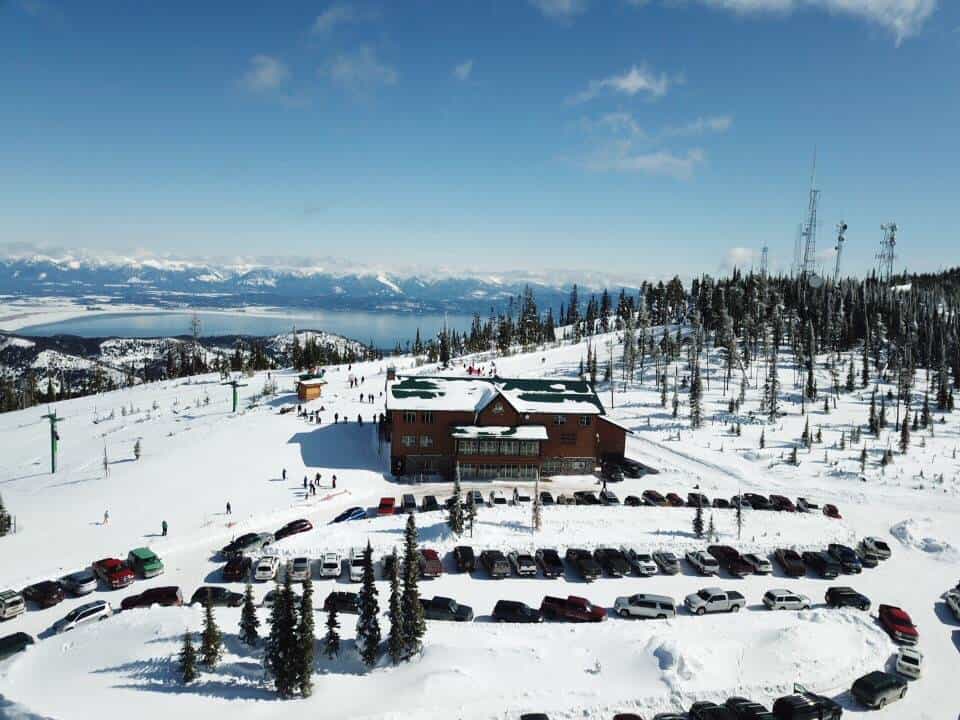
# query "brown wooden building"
(309, 388)
(496, 428)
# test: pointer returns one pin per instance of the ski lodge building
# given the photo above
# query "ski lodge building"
(496, 428)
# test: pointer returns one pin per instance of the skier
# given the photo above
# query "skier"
(317, 479)
(304, 482)
(163, 528)
(106, 517)
(229, 509)
(359, 419)
(284, 473)
(336, 418)
(334, 482)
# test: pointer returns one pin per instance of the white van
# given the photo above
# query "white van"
(11, 604)
(646, 606)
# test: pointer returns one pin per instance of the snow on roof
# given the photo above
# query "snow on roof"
(313, 381)
(471, 394)
(620, 425)
(523, 432)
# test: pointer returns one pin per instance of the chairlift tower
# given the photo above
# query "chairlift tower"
(809, 231)
(841, 239)
(887, 253)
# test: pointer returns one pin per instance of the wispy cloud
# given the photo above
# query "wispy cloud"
(638, 79)
(560, 9)
(463, 70)
(265, 73)
(625, 157)
(360, 71)
(340, 13)
(700, 126)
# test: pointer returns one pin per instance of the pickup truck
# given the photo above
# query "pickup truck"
(113, 572)
(444, 608)
(713, 600)
(495, 564)
(703, 563)
(572, 609)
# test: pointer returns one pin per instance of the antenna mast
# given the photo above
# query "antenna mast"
(809, 231)
(841, 239)
(764, 259)
(887, 255)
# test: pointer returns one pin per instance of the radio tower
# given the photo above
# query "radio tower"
(841, 239)
(809, 231)
(886, 255)
(763, 260)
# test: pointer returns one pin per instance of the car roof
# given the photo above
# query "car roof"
(91, 605)
(143, 553)
(653, 598)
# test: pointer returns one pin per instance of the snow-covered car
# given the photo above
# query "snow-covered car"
(520, 496)
(642, 563)
(876, 547)
(497, 498)
(330, 565)
(271, 597)
(909, 662)
(299, 569)
(667, 562)
(645, 606)
(79, 583)
(703, 563)
(356, 564)
(83, 614)
(952, 599)
(608, 497)
(266, 568)
(760, 565)
(780, 599)
(524, 564)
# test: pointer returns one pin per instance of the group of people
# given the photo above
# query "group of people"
(311, 486)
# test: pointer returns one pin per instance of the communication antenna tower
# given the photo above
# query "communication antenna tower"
(809, 232)
(887, 254)
(764, 257)
(841, 239)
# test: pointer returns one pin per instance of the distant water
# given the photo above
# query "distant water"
(383, 329)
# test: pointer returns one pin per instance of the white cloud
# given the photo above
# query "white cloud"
(265, 73)
(560, 9)
(360, 70)
(623, 157)
(636, 80)
(339, 13)
(701, 126)
(463, 70)
(738, 257)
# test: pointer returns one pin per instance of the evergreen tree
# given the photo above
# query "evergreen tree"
(331, 641)
(882, 418)
(368, 623)
(806, 433)
(696, 392)
(739, 516)
(211, 641)
(455, 518)
(698, 521)
(396, 642)
(925, 413)
(187, 660)
(136, 449)
(711, 530)
(863, 458)
(411, 610)
(851, 377)
(6, 522)
(773, 388)
(905, 434)
(306, 639)
(281, 649)
(536, 520)
(763, 439)
(249, 622)
(793, 456)
(872, 423)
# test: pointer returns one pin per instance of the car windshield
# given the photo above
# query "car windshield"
(909, 660)
(704, 594)
(643, 557)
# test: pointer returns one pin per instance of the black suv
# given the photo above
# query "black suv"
(846, 556)
(584, 563)
(805, 705)
(744, 709)
(550, 563)
(613, 562)
(515, 612)
(429, 503)
(846, 597)
(822, 564)
(710, 711)
(465, 559)
(344, 602)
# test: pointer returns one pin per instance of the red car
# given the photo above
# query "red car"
(166, 596)
(898, 624)
(674, 500)
(292, 528)
(386, 506)
(430, 565)
(572, 608)
(113, 572)
(237, 569)
(831, 512)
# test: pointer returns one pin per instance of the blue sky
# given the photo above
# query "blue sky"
(637, 137)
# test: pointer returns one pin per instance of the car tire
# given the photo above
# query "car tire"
(735, 608)
(623, 613)
(661, 617)
(701, 611)
(882, 704)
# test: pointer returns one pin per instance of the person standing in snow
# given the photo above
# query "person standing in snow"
(334, 482)
(336, 418)
(229, 509)
(163, 528)
(106, 517)
(284, 473)
(304, 482)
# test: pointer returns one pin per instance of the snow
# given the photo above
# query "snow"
(197, 455)
(523, 432)
(384, 280)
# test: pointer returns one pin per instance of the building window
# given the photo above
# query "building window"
(559, 419)
(409, 441)
(568, 439)
(528, 472)
(585, 421)
(509, 447)
(529, 447)
(579, 466)
(489, 447)
(409, 416)
(426, 441)
(468, 471)
(552, 466)
(426, 418)
(498, 409)
(467, 447)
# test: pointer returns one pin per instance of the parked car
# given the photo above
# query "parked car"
(713, 600)
(10, 645)
(521, 496)
(246, 544)
(300, 569)
(909, 662)
(821, 563)
(168, 596)
(583, 562)
(523, 564)
(653, 498)
(612, 561)
(867, 561)
(408, 503)
(782, 503)
(113, 572)
(546, 498)
(831, 512)
(847, 557)
(515, 612)
(876, 689)
(642, 563)
(237, 569)
(630, 468)
(611, 472)
(355, 564)
(780, 599)
(11, 604)
(846, 597)
(497, 498)
(271, 597)
(585, 497)
(898, 624)
(46, 593)
(721, 503)
(144, 562)
(632, 501)
(495, 564)
(703, 563)
(429, 504)
(83, 614)
(644, 605)
(266, 568)
(730, 560)
(706, 710)
(351, 513)
(673, 500)
(216, 596)
(805, 505)
(444, 608)
(475, 497)
(430, 565)
(82, 582)
(571, 609)
(330, 565)
(952, 599)
(740, 501)
(550, 563)
(343, 602)
(760, 565)
(696, 499)
(758, 502)
(293, 527)
(386, 506)
(806, 705)
(744, 709)
(791, 562)
(667, 562)
(608, 497)
(876, 547)
(465, 559)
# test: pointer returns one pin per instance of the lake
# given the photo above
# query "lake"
(383, 329)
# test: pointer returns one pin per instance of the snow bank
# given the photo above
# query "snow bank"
(916, 533)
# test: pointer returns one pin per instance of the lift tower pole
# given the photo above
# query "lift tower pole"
(841, 239)
(54, 439)
(809, 232)
(235, 384)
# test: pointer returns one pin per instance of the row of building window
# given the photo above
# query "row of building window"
(498, 447)
(584, 420)
(557, 466)
(410, 441)
(428, 418)
(409, 416)
(469, 471)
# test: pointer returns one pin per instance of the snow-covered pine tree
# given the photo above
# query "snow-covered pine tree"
(187, 660)
(471, 513)
(331, 641)
(211, 640)
(739, 517)
(136, 449)
(772, 390)
(396, 642)
(281, 647)
(925, 412)
(306, 638)
(249, 622)
(872, 423)
(905, 434)
(696, 397)
(368, 623)
(711, 530)
(863, 458)
(698, 522)
(455, 516)
(6, 522)
(882, 417)
(763, 439)
(536, 520)
(851, 376)
(411, 610)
